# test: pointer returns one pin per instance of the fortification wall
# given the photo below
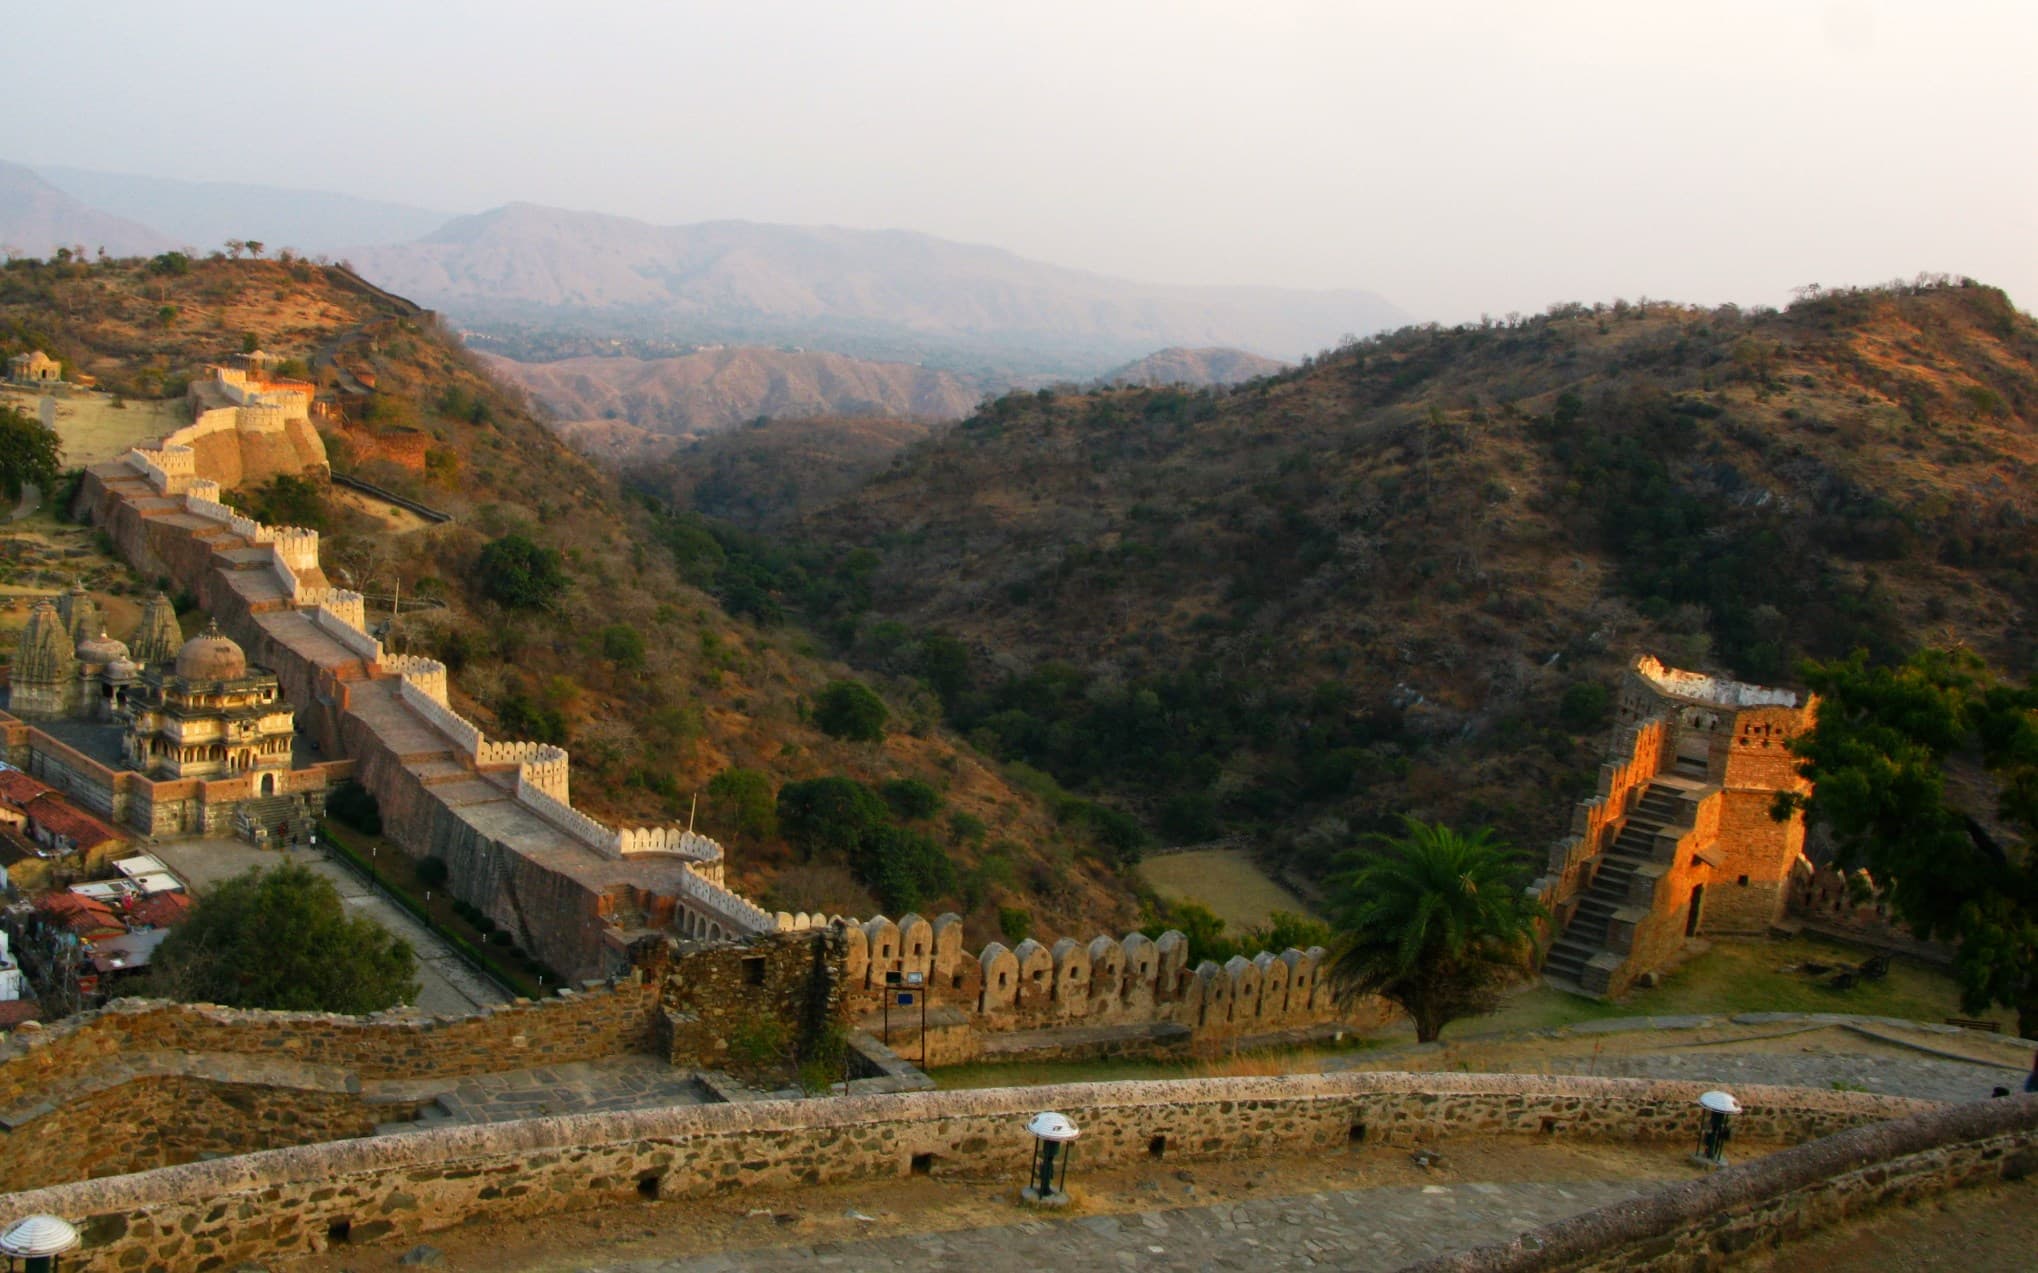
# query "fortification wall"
(1637, 755)
(1105, 981)
(512, 868)
(287, 1201)
(579, 1027)
(162, 1120)
(1750, 1207)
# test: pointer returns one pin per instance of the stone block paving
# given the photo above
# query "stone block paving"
(1924, 1077)
(579, 1087)
(1357, 1229)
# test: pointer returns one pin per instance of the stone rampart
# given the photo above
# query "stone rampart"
(428, 675)
(1636, 757)
(359, 643)
(1106, 981)
(1755, 1206)
(286, 1201)
(579, 1027)
(554, 877)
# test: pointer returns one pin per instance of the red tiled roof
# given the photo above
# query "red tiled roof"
(159, 910)
(81, 915)
(59, 816)
(17, 788)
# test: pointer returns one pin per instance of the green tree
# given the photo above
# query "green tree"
(623, 646)
(1878, 758)
(851, 710)
(29, 452)
(280, 938)
(911, 798)
(743, 800)
(520, 574)
(1435, 922)
(824, 815)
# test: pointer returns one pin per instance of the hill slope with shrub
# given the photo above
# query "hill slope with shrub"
(561, 604)
(1404, 577)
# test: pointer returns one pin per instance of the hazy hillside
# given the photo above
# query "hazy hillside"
(884, 294)
(1193, 368)
(764, 475)
(206, 214)
(651, 683)
(668, 399)
(36, 219)
(1400, 577)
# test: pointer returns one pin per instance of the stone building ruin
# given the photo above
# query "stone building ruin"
(1678, 841)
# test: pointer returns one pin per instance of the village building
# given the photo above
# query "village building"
(34, 368)
(52, 824)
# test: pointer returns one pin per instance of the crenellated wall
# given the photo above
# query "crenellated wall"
(1634, 758)
(1106, 981)
(571, 889)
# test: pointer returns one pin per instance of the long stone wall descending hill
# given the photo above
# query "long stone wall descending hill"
(498, 812)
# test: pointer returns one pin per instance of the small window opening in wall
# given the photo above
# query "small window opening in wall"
(923, 1164)
(338, 1230)
(1357, 1135)
(753, 970)
(1157, 1147)
(1549, 1125)
(1001, 981)
(647, 1187)
(955, 982)
(1744, 881)
(916, 948)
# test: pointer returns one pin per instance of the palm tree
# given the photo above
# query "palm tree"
(1436, 923)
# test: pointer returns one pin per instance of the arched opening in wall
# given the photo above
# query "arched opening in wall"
(1157, 1147)
(338, 1231)
(268, 784)
(1357, 1134)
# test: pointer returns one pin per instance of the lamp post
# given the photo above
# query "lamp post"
(1713, 1127)
(37, 1241)
(1053, 1143)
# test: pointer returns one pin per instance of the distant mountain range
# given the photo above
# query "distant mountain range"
(883, 294)
(539, 281)
(37, 218)
(1195, 368)
(667, 399)
(205, 214)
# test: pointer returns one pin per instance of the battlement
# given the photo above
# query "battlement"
(1697, 687)
(428, 675)
(678, 841)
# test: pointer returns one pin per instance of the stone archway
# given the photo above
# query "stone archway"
(268, 784)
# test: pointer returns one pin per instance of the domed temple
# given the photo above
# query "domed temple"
(67, 666)
(208, 715)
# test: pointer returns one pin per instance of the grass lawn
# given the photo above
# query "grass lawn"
(1746, 975)
(1227, 881)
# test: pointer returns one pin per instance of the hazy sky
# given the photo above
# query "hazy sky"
(1456, 157)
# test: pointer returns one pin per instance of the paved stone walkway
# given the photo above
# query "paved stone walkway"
(579, 1087)
(447, 985)
(1928, 1078)
(1356, 1229)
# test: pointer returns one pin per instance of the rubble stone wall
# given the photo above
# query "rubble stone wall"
(395, 1190)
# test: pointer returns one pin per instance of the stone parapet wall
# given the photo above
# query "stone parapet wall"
(579, 1027)
(1752, 1207)
(1107, 980)
(286, 1201)
(335, 625)
(163, 1120)
(1637, 755)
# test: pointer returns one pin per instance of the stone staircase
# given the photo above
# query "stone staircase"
(1585, 937)
(266, 813)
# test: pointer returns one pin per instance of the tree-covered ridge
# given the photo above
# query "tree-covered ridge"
(1386, 581)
